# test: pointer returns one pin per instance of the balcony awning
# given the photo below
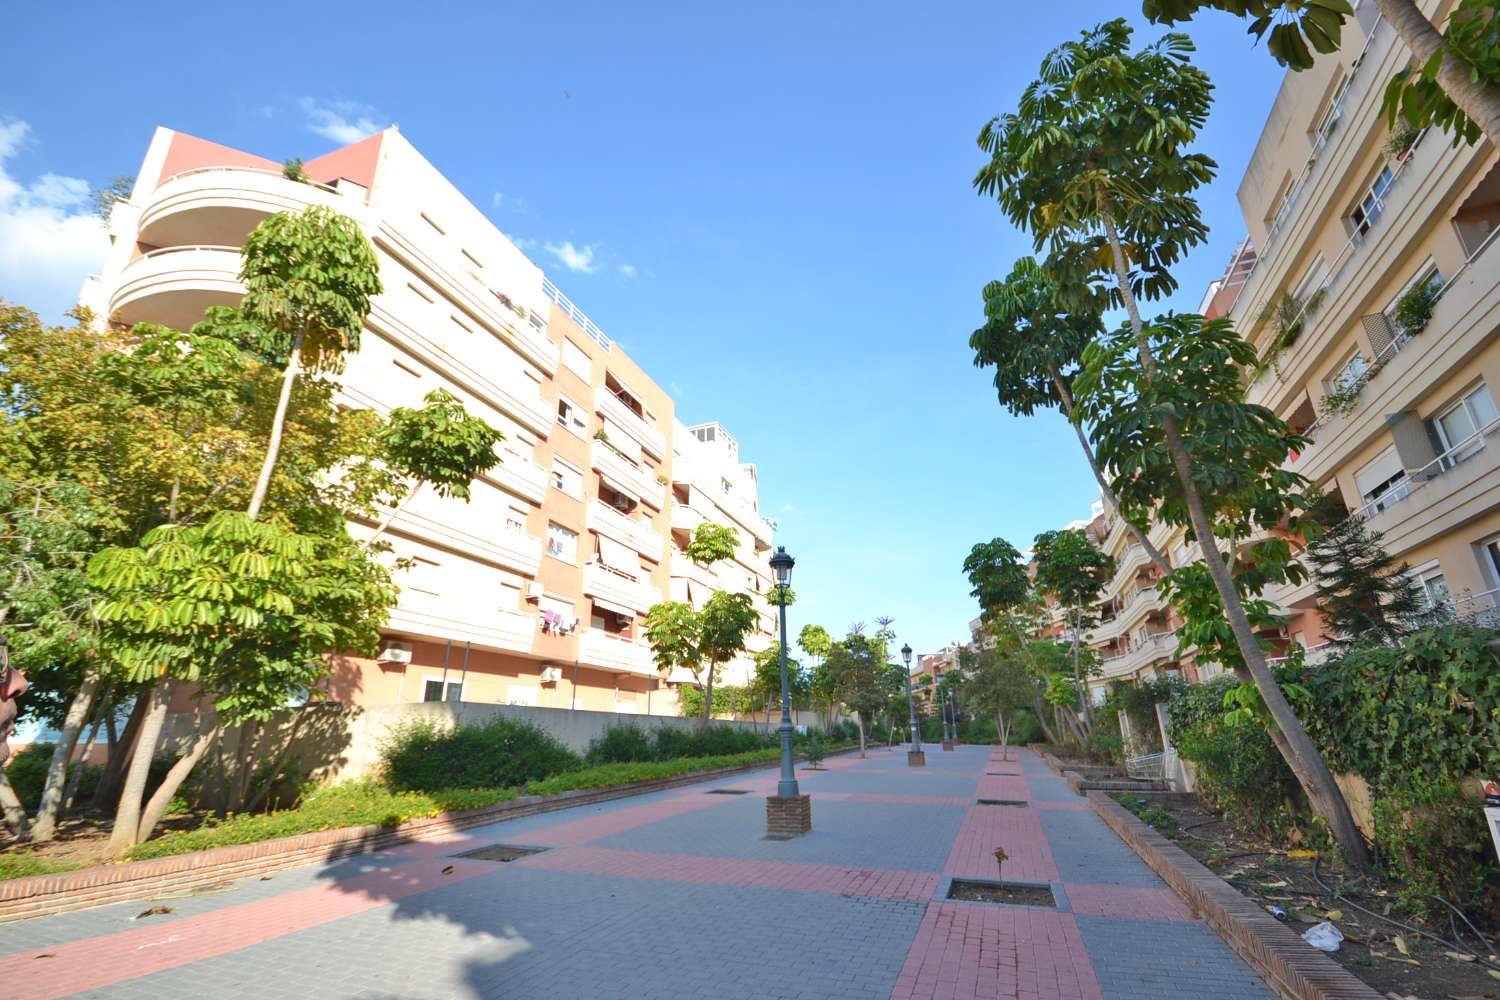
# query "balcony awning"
(618, 557)
(617, 483)
(618, 609)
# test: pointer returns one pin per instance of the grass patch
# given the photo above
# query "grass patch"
(1152, 815)
(23, 864)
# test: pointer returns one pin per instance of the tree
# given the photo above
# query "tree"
(765, 683)
(439, 445)
(724, 622)
(1364, 596)
(815, 641)
(1070, 570)
(1454, 81)
(308, 282)
(713, 543)
(998, 681)
(1035, 344)
(1094, 163)
(698, 641)
(861, 677)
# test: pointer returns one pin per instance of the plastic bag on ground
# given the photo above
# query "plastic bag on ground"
(1324, 936)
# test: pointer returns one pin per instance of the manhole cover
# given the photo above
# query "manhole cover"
(1001, 802)
(500, 852)
(729, 791)
(1002, 893)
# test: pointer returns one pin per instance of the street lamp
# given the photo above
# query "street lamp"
(788, 812)
(942, 693)
(914, 757)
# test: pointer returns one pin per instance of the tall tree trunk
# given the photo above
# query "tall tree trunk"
(244, 762)
(1301, 753)
(11, 808)
(162, 797)
(124, 834)
(1004, 735)
(859, 717)
(278, 427)
(1478, 99)
(1085, 709)
(75, 778)
(1041, 718)
(45, 826)
(708, 700)
(120, 754)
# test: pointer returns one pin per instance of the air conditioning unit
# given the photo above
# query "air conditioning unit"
(551, 675)
(394, 652)
(534, 591)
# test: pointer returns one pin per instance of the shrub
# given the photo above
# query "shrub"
(427, 755)
(1106, 742)
(1434, 841)
(714, 741)
(28, 773)
(621, 744)
(23, 864)
(1414, 310)
(814, 751)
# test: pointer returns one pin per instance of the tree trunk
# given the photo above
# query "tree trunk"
(1004, 735)
(708, 700)
(1066, 396)
(244, 760)
(76, 777)
(120, 754)
(157, 807)
(1041, 718)
(859, 717)
(124, 834)
(278, 426)
(1086, 710)
(45, 826)
(1301, 753)
(11, 808)
(1476, 98)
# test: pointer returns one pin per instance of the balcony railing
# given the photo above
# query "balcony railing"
(612, 585)
(1161, 645)
(506, 630)
(604, 518)
(631, 422)
(640, 483)
(574, 313)
(1414, 481)
(597, 648)
(1482, 609)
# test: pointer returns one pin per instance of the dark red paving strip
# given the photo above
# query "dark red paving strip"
(902, 800)
(1014, 788)
(581, 831)
(1134, 902)
(868, 882)
(1018, 831)
(91, 963)
(965, 952)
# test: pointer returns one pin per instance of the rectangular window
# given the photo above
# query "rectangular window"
(1372, 204)
(1350, 373)
(567, 479)
(562, 543)
(1461, 425)
(1382, 482)
(1435, 589)
(576, 361)
(572, 416)
(432, 690)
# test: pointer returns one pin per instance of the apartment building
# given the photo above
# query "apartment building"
(532, 592)
(1343, 221)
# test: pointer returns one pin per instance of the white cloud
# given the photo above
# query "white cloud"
(521, 242)
(579, 260)
(341, 121)
(787, 508)
(496, 199)
(49, 239)
(628, 270)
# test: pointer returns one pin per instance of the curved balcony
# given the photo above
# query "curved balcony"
(601, 581)
(221, 205)
(624, 475)
(1158, 648)
(638, 535)
(174, 285)
(599, 649)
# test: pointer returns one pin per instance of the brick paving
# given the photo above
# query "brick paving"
(677, 895)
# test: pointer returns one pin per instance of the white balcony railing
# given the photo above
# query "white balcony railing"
(636, 481)
(611, 408)
(504, 630)
(612, 585)
(597, 648)
(1410, 483)
(1160, 646)
(514, 550)
(639, 536)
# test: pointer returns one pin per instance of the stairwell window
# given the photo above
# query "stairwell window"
(1372, 204)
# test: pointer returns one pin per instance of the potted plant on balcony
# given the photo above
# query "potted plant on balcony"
(1414, 310)
(1403, 137)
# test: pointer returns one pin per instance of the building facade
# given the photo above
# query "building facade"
(1344, 221)
(532, 592)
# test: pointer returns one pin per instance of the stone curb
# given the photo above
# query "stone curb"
(1080, 784)
(1289, 965)
(41, 895)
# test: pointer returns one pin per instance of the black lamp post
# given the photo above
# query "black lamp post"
(781, 566)
(914, 757)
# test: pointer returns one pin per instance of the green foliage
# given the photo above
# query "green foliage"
(1070, 569)
(1152, 815)
(1289, 27)
(292, 170)
(1433, 840)
(440, 444)
(997, 575)
(102, 200)
(683, 637)
(1033, 342)
(1364, 596)
(1287, 315)
(1105, 741)
(778, 596)
(1343, 398)
(309, 278)
(1237, 768)
(729, 699)
(621, 744)
(28, 772)
(671, 628)
(1414, 308)
(713, 543)
(1471, 39)
(860, 674)
(814, 641)
(251, 608)
(813, 751)
(1138, 703)
(427, 754)
(673, 742)
(24, 864)
(723, 624)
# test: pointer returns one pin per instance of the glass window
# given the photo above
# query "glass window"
(562, 543)
(432, 690)
(1435, 589)
(567, 479)
(571, 416)
(1459, 425)
(576, 361)
(1372, 204)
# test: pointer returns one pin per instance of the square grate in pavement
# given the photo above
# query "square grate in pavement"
(500, 852)
(728, 791)
(1001, 802)
(974, 890)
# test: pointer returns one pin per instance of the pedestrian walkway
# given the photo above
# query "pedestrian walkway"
(677, 895)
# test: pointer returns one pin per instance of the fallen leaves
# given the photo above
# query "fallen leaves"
(155, 911)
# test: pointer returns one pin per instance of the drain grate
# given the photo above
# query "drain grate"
(1001, 802)
(1002, 893)
(500, 852)
(728, 791)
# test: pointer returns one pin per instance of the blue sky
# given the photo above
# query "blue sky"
(768, 206)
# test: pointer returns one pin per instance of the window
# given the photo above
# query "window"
(1382, 482)
(1462, 424)
(432, 690)
(725, 486)
(576, 361)
(572, 416)
(1330, 118)
(515, 522)
(567, 479)
(562, 543)
(1434, 588)
(611, 622)
(1372, 204)
(1350, 373)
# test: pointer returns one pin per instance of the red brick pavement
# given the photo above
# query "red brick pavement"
(1135, 902)
(966, 952)
(1018, 831)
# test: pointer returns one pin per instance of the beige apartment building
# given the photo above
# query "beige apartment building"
(532, 592)
(1403, 423)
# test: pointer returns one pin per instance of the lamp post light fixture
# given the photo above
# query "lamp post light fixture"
(788, 812)
(914, 757)
(942, 693)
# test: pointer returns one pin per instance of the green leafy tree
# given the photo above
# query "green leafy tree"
(1007, 604)
(765, 683)
(699, 640)
(439, 445)
(712, 543)
(999, 682)
(724, 622)
(1364, 596)
(1073, 572)
(1454, 79)
(861, 677)
(308, 281)
(1095, 163)
(815, 642)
